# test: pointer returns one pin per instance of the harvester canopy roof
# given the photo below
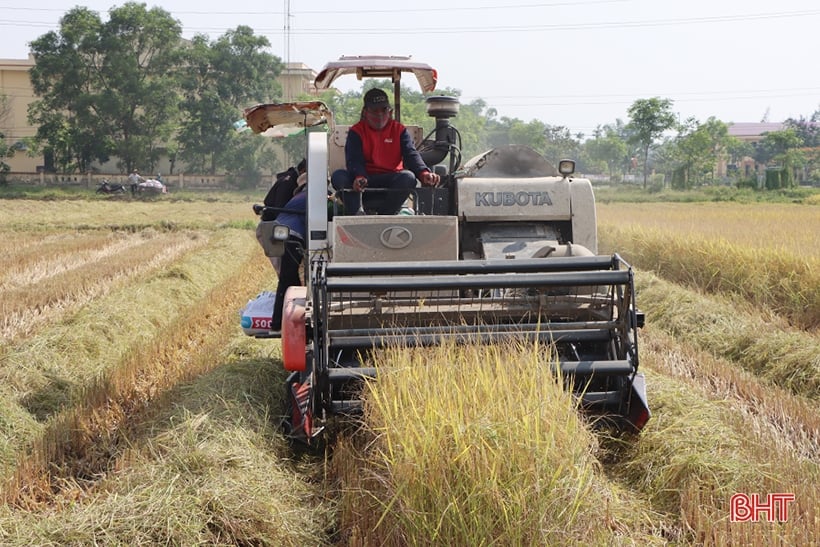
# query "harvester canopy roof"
(283, 119)
(375, 66)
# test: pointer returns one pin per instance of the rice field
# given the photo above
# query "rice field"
(134, 411)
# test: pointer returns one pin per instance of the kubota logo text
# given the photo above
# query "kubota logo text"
(507, 199)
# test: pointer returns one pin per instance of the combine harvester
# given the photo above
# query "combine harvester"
(504, 248)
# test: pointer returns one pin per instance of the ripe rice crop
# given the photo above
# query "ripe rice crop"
(790, 228)
(476, 445)
(779, 273)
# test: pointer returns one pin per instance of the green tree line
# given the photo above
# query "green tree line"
(132, 88)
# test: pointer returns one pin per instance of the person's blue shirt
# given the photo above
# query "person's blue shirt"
(295, 220)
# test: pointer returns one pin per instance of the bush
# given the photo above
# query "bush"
(779, 178)
(747, 182)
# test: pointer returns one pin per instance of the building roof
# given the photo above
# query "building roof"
(17, 64)
(754, 129)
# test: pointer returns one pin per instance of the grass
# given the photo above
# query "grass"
(163, 214)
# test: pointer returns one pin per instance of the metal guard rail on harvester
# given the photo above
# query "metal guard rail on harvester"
(584, 306)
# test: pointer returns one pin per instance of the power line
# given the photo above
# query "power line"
(368, 11)
(564, 26)
(555, 27)
(730, 94)
(463, 8)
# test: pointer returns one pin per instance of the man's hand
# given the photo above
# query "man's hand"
(430, 179)
(359, 183)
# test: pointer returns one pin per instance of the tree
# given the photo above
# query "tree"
(5, 110)
(780, 149)
(808, 130)
(649, 119)
(560, 144)
(107, 88)
(62, 78)
(608, 147)
(697, 149)
(218, 79)
(533, 133)
(5, 151)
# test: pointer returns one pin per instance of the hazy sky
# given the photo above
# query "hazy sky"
(577, 63)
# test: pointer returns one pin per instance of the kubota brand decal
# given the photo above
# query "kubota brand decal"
(396, 237)
(507, 199)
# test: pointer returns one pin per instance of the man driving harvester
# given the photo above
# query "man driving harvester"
(380, 153)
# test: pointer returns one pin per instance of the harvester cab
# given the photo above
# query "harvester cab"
(504, 248)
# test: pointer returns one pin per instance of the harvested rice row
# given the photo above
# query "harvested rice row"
(25, 307)
(782, 356)
(19, 248)
(104, 401)
(206, 469)
(204, 464)
(33, 215)
(700, 449)
(789, 423)
(52, 256)
(42, 374)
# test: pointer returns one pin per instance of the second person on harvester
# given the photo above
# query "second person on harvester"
(380, 153)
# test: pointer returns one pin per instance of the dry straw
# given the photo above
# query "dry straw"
(709, 440)
(79, 365)
(785, 357)
(54, 286)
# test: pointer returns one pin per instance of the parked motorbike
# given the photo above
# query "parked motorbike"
(106, 187)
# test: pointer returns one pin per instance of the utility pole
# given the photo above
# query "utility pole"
(286, 34)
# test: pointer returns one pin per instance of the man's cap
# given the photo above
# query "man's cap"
(376, 98)
(302, 165)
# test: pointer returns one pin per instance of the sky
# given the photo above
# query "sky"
(574, 63)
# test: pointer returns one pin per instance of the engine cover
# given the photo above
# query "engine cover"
(396, 238)
(521, 199)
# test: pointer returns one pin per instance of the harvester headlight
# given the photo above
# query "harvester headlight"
(281, 232)
(566, 167)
